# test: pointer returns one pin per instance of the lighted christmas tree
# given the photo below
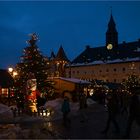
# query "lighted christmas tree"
(32, 61)
(131, 82)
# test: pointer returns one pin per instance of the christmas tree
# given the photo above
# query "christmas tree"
(132, 82)
(32, 61)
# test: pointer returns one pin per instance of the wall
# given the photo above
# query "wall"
(115, 72)
(62, 85)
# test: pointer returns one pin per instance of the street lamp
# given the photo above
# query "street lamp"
(10, 69)
(13, 73)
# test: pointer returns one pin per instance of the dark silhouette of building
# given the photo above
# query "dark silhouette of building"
(6, 82)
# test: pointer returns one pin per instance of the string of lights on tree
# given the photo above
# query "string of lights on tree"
(131, 82)
(32, 61)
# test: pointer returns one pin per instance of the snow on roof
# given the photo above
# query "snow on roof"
(137, 50)
(107, 61)
(74, 80)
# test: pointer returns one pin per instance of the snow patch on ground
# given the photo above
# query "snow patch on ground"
(55, 107)
(5, 113)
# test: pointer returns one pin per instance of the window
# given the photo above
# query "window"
(100, 71)
(73, 72)
(115, 69)
(5, 92)
(78, 72)
(115, 80)
(107, 70)
(123, 69)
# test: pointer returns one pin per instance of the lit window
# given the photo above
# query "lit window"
(5, 92)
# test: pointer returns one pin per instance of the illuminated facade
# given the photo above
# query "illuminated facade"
(113, 62)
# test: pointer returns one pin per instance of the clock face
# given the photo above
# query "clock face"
(109, 46)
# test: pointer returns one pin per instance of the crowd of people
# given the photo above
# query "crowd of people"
(116, 103)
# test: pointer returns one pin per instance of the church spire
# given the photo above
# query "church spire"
(61, 56)
(61, 61)
(112, 34)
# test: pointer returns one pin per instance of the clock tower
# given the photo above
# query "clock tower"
(111, 34)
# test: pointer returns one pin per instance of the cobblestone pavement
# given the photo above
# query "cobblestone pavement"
(91, 129)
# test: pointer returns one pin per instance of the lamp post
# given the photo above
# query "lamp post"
(13, 73)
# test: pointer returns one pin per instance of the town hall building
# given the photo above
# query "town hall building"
(113, 62)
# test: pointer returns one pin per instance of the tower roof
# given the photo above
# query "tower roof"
(111, 22)
(52, 56)
(111, 25)
(61, 56)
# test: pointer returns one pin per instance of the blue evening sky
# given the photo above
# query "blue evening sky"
(72, 24)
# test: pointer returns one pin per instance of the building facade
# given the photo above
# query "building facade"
(57, 63)
(113, 62)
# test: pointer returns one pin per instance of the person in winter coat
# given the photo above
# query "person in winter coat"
(83, 106)
(65, 110)
(134, 111)
(112, 106)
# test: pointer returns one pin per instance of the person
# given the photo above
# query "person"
(112, 107)
(65, 110)
(125, 103)
(14, 111)
(83, 106)
(134, 111)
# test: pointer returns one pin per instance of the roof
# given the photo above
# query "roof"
(74, 80)
(124, 52)
(112, 85)
(6, 79)
(52, 56)
(61, 56)
(111, 24)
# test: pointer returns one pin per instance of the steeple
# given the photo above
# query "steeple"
(52, 57)
(112, 34)
(61, 60)
(61, 56)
